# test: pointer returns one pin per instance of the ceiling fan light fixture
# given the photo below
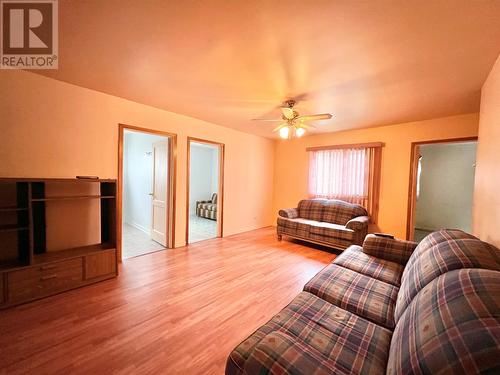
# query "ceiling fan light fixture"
(299, 132)
(294, 125)
(285, 132)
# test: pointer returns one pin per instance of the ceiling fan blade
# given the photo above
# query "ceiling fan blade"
(267, 119)
(280, 126)
(305, 126)
(288, 112)
(321, 116)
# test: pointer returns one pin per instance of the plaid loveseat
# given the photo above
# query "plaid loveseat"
(333, 223)
(388, 307)
(207, 209)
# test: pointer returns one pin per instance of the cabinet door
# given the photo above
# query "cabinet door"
(100, 264)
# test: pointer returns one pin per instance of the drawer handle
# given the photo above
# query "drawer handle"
(48, 277)
(49, 267)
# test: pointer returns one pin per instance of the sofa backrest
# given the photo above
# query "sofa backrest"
(441, 252)
(311, 209)
(329, 210)
(450, 327)
(435, 238)
(448, 307)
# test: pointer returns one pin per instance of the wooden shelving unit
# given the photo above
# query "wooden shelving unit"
(32, 262)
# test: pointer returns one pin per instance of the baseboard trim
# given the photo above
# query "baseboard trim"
(140, 227)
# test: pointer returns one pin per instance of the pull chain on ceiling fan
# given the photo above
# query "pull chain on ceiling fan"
(292, 124)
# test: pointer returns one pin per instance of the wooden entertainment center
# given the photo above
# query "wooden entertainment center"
(55, 235)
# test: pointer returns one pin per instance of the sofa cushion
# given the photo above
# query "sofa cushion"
(355, 259)
(311, 209)
(296, 227)
(452, 326)
(331, 230)
(441, 258)
(208, 206)
(340, 212)
(311, 336)
(360, 294)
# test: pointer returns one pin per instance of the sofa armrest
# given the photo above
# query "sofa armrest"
(289, 213)
(391, 249)
(358, 223)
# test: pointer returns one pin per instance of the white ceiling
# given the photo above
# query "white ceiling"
(367, 62)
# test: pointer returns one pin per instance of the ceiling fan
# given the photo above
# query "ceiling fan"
(293, 124)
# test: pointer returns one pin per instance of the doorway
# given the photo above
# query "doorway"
(205, 187)
(441, 187)
(146, 189)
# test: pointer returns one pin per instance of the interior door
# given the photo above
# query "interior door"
(159, 193)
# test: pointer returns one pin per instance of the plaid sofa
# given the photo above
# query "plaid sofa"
(207, 209)
(388, 307)
(333, 223)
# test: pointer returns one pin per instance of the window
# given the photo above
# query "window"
(347, 172)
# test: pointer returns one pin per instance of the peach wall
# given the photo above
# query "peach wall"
(486, 214)
(291, 163)
(53, 129)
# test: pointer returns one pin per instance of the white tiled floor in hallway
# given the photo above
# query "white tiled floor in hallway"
(135, 242)
(201, 229)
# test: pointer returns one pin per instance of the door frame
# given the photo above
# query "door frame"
(171, 183)
(412, 187)
(220, 192)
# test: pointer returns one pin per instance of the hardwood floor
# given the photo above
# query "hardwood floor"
(178, 311)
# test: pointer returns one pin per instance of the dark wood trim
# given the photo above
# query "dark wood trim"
(447, 140)
(171, 183)
(220, 193)
(412, 184)
(352, 145)
(412, 195)
(119, 193)
(61, 179)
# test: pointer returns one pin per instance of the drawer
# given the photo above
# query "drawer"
(43, 270)
(44, 280)
(2, 296)
(100, 264)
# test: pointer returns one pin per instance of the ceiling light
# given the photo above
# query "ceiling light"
(284, 132)
(299, 132)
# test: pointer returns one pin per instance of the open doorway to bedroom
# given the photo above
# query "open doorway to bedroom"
(204, 190)
(441, 187)
(146, 188)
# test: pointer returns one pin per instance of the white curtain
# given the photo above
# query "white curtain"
(340, 174)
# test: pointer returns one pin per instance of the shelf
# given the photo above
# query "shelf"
(47, 199)
(12, 228)
(10, 264)
(52, 256)
(13, 209)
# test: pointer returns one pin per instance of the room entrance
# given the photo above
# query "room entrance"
(146, 189)
(441, 187)
(205, 165)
